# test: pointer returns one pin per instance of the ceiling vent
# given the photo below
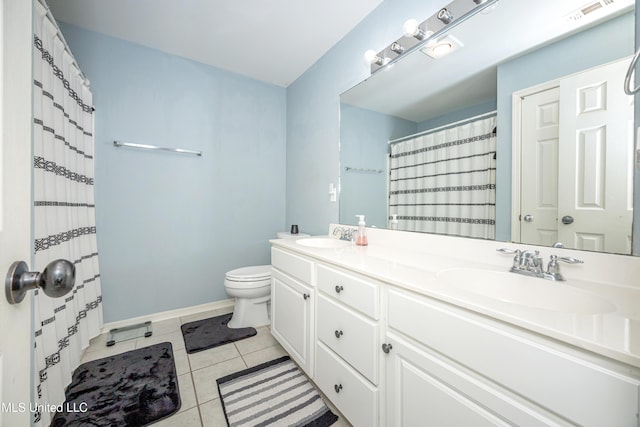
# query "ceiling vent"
(587, 9)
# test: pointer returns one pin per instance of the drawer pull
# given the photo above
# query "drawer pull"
(338, 334)
(337, 387)
(386, 348)
(339, 288)
(305, 296)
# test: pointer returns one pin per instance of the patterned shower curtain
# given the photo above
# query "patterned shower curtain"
(64, 217)
(444, 182)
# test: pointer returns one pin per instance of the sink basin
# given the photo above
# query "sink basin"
(525, 291)
(323, 242)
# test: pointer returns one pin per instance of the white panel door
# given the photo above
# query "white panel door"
(539, 167)
(596, 162)
(291, 314)
(15, 207)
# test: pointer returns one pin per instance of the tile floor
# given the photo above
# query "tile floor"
(197, 372)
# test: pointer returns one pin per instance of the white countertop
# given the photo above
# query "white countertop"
(614, 334)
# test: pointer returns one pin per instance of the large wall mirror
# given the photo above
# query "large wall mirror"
(537, 87)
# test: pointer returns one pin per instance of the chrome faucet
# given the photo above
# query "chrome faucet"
(346, 233)
(530, 263)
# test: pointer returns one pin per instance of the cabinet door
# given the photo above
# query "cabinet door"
(423, 389)
(291, 314)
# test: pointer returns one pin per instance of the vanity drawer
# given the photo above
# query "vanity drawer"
(348, 391)
(552, 375)
(294, 265)
(351, 335)
(356, 292)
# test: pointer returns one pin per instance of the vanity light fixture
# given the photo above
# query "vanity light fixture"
(372, 57)
(445, 16)
(479, 1)
(412, 29)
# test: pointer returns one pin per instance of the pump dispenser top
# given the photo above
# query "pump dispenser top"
(361, 237)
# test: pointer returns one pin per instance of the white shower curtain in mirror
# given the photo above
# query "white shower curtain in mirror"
(444, 182)
(64, 220)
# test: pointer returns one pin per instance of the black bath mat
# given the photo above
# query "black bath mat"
(212, 332)
(135, 388)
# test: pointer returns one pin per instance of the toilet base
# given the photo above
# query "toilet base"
(250, 312)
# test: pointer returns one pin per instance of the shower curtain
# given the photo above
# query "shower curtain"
(64, 217)
(444, 181)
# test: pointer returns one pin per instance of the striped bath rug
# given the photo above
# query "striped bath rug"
(275, 393)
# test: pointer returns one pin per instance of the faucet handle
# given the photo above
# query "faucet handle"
(517, 259)
(570, 260)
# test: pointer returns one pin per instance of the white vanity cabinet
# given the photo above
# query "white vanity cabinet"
(348, 343)
(448, 366)
(292, 306)
(388, 356)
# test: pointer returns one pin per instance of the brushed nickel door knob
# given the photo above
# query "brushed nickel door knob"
(56, 280)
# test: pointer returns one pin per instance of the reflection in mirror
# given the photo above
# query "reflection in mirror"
(505, 60)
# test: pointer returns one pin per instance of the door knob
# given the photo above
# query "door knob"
(567, 219)
(56, 280)
(528, 218)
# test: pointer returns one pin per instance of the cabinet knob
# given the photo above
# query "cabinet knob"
(386, 348)
(338, 334)
(337, 387)
(339, 288)
(305, 296)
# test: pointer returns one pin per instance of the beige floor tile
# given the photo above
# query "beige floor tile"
(188, 418)
(261, 340)
(182, 361)
(264, 355)
(204, 379)
(98, 343)
(212, 414)
(165, 326)
(206, 315)
(175, 338)
(187, 392)
(212, 356)
(118, 348)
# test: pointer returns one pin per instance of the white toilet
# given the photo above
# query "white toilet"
(251, 287)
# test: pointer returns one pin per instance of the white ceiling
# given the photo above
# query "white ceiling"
(274, 41)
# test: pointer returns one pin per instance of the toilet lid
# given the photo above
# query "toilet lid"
(246, 274)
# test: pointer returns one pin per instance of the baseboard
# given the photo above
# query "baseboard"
(170, 314)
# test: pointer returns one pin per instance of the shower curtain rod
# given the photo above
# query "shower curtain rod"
(53, 21)
(448, 125)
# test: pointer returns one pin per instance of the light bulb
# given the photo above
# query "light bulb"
(410, 28)
(371, 55)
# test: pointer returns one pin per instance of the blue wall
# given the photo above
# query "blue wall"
(170, 225)
(364, 143)
(604, 43)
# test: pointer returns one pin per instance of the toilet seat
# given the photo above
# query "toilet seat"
(255, 273)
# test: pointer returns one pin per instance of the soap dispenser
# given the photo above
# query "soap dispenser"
(361, 237)
(393, 224)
